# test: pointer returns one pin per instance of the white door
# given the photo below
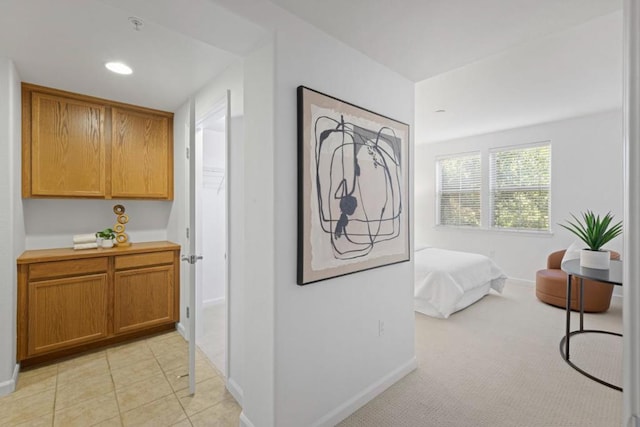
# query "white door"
(211, 233)
(194, 258)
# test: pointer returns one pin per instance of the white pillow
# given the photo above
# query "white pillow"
(573, 251)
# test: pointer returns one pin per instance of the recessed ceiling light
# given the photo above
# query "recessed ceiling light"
(118, 67)
(442, 110)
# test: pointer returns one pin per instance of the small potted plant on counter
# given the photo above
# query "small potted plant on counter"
(595, 232)
(106, 237)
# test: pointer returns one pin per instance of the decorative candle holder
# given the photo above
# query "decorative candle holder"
(122, 238)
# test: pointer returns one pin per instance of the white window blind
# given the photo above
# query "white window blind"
(520, 187)
(458, 190)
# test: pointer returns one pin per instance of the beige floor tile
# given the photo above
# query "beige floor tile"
(204, 371)
(111, 422)
(176, 378)
(44, 421)
(142, 392)
(162, 412)
(76, 373)
(173, 358)
(34, 382)
(129, 374)
(172, 338)
(81, 361)
(38, 371)
(208, 393)
(16, 411)
(88, 388)
(88, 412)
(129, 354)
(224, 414)
(183, 423)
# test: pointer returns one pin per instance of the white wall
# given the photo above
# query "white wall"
(11, 223)
(231, 79)
(312, 353)
(258, 298)
(586, 173)
(329, 357)
(51, 223)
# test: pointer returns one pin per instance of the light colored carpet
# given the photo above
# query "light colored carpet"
(497, 363)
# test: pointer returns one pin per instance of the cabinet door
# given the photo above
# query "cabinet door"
(67, 147)
(67, 312)
(141, 155)
(143, 297)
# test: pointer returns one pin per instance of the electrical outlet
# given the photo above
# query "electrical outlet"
(380, 328)
(492, 254)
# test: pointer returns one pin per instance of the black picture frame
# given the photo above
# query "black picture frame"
(353, 188)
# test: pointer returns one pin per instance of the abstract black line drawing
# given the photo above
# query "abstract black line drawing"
(352, 188)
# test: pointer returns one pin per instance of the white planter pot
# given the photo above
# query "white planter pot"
(595, 259)
(107, 243)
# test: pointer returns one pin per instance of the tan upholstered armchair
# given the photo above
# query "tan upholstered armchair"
(551, 287)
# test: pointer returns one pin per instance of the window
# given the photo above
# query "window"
(458, 190)
(520, 187)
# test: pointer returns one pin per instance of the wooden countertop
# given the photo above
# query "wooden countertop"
(42, 255)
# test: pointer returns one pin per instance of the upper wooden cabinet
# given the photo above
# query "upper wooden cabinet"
(140, 157)
(79, 146)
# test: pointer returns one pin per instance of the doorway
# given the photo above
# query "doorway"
(211, 235)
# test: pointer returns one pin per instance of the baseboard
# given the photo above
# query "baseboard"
(244, 421)
(182, 331)
(9, 386)
(366, 395)
(212, 302)
(235, 390)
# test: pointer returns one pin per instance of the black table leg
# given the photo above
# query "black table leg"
(581, 305)
(568, 328)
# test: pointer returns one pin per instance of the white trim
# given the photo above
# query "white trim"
(245, 421)
(236, 391)
(9, 386)
(213, 301)
(182, 331)
(631, 274)
(356, 402)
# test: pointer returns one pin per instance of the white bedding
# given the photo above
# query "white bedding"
(447, 281)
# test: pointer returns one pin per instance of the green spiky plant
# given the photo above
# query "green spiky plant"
(593, 230)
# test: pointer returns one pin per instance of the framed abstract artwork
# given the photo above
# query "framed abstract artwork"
(353, 183)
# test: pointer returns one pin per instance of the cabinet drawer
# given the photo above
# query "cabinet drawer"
(47, 270)
(142, 260)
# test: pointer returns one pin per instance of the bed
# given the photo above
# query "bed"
(447, 281)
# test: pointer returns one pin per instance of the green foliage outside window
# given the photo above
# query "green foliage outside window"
(520, 187)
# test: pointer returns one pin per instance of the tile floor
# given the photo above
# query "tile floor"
(133, 384)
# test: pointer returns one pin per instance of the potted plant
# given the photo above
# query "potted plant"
(107, 235)
(595, 232)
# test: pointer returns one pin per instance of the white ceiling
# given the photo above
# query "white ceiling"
(65, 43)
(423, 38)
(567, 74)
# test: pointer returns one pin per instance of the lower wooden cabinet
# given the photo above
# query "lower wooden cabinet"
(67, 312)
(143, 298)
(70, 301)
